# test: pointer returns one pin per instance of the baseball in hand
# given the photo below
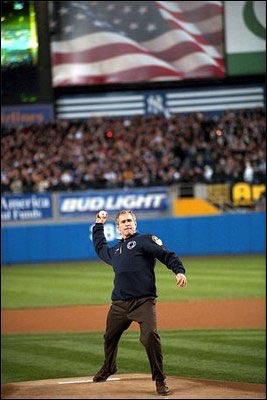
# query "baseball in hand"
(102, 214)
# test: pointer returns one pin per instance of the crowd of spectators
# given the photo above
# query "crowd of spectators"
(136, 151)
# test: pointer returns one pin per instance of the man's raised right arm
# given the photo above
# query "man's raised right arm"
(100, 242)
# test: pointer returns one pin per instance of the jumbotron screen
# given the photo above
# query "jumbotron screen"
(19, 43)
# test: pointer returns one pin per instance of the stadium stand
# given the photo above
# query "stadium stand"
(138, 151)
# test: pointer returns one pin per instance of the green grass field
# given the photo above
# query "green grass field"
(233, 354)
(91, 283)
(229, 355)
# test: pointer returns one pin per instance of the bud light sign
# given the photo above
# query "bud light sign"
(91, 202)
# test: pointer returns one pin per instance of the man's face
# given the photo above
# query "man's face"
(126, 225)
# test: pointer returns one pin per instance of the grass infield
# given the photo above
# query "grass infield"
(228, 355)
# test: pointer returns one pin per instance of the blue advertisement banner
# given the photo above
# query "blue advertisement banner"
(88, 203)
(26, 207)
(26, 115)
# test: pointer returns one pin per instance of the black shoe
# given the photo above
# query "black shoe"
(161, 387)
(103, 374)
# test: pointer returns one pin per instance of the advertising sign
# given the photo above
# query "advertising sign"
(245, 37)
(26, 207)
(26, 115)
(87, 203)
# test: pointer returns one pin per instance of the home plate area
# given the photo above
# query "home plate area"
(130, 386)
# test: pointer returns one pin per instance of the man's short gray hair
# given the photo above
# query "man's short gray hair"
(125, 212)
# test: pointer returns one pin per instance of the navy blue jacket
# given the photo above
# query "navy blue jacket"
(133, 261)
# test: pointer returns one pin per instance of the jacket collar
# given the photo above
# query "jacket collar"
(133, 235)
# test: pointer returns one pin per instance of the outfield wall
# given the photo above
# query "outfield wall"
(209, 235)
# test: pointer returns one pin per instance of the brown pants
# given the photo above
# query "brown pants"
(120, 316)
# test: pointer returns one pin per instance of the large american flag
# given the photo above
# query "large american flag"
(100, 42)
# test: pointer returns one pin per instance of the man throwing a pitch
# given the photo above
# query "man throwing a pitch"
(134, 294)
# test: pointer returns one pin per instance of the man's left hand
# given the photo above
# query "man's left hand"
(181, 280)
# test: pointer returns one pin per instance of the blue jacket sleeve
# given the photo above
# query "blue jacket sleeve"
(154, 246)
(100, 243)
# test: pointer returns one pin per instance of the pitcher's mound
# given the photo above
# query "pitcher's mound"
(130, 386)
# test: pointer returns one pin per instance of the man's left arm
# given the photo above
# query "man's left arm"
(154, 245)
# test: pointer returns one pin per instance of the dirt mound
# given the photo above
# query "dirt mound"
(130, 386)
